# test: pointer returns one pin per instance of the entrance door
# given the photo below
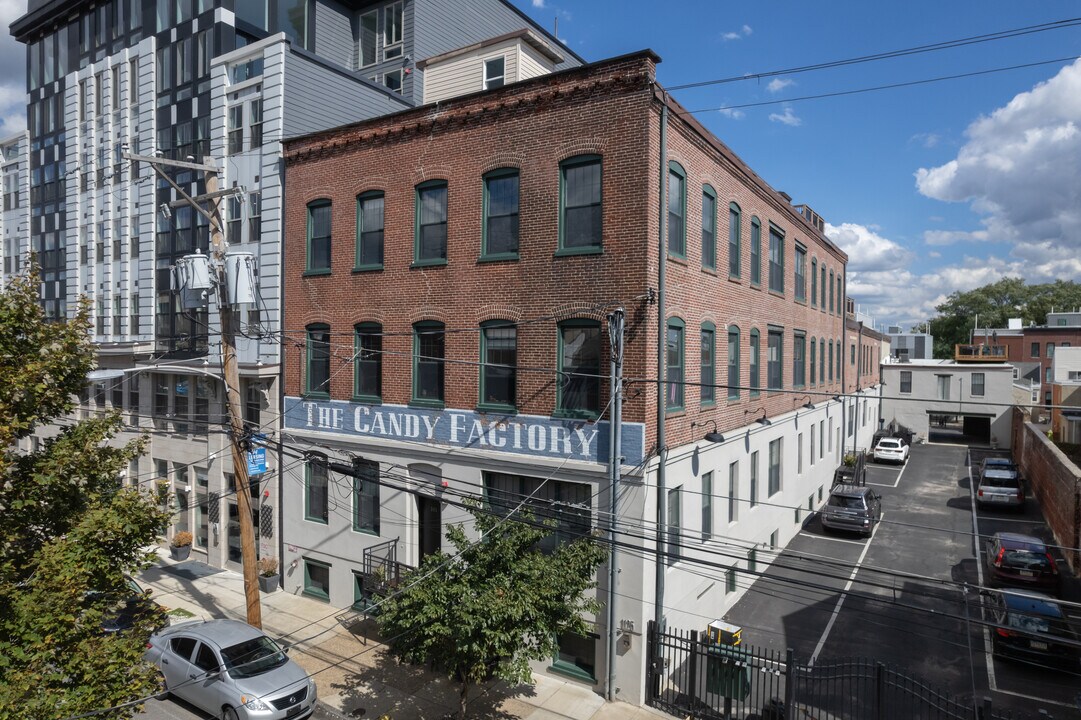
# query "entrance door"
(431, 526)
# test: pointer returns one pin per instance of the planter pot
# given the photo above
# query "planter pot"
(267, 583)
(180, 553)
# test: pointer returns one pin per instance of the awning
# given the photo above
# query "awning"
(104, 374)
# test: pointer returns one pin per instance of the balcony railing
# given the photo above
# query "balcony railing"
(978, 352)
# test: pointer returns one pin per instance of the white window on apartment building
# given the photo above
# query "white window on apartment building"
(392, 31)
(978, 380)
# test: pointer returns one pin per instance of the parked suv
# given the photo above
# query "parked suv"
(852, 508)
(1001, 488)
(1031, 627)
(1021, 561)
(891, 450)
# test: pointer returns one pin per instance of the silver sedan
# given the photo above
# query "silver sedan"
(231, 670)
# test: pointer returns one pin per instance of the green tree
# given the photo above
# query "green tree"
(995, 304)
(68, 531)
(495, 605)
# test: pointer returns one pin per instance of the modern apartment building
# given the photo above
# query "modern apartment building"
(1031, 349)
(910, 345)
(205, 81)
(471, 357)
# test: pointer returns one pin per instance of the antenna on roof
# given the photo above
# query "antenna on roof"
(556, 30)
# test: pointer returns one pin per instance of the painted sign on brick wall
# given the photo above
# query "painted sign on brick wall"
(519, 434)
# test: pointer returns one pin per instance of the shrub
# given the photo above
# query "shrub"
(182, 539)
(268, 566)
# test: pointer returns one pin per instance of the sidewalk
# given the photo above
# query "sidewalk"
(354, 675)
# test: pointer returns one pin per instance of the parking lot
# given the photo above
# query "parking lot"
(899, 597)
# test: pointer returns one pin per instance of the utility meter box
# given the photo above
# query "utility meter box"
(719, 632)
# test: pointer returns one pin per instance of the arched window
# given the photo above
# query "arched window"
(677, 210)
(580, 205)
(368, 366)
(814, 282)
(675, 365)
(317, 377)
(369, 231)
(709, 227)
(707, 376)
(754, 366)
(429, 356)
(318, 236)
(734, 239)
(733, 362)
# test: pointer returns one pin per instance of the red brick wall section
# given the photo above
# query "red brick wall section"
(1054, 480)
(607, 109)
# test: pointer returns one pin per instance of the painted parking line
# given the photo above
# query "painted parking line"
(897, 481)
(805, 533)
(844, 593)
(989, 659)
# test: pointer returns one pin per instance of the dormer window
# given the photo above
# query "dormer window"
(494, 73)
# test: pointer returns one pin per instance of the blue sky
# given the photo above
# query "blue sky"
(930, 189)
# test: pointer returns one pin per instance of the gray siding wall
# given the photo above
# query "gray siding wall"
(317, 98)
(334, 33)
(440, 27)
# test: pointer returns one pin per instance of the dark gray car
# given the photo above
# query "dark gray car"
(853, 508)
(231, 670)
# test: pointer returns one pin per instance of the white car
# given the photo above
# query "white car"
(891, 450)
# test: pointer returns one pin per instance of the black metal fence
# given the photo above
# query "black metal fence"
(690, 677)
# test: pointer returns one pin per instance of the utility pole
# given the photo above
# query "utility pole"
(230, 371)
(615, 465)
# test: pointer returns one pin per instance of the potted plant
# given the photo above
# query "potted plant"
(268, 574)
(180, 548)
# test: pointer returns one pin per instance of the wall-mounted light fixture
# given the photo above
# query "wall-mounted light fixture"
(808, 405)
(710, 436)
(762, 420)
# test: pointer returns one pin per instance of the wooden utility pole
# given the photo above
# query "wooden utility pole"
(230, 371)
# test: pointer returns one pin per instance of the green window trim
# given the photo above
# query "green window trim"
(309, 267)
(756, 251)
(359, 266)
(311, 331)
(572, 670)
(735, 240)
(366, 489)
(485, 254)
(831, 292)
(560, 410)
(709, 237)
(733, 367)
(814, 282)
(811, 365)
(776, 265)
(708, 371)
(754, 371)
(508, 408)
(360, 331)
(309, 590)
(564, 166)
(677, 244)
(675, 390)
(322, 520)
(420, 329)
(799, 359)
(418, 192)
(799, 273)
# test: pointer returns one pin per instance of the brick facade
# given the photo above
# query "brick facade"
(610, 109)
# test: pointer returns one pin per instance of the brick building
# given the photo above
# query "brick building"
(1031, 350)
(448, 275)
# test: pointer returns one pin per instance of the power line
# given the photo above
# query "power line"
(877, 88)
(932, 47)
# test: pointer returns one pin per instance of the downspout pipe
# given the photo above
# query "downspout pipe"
(662, 260)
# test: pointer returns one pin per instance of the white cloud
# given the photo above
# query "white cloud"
(867, 250)
(787, 117)
(538, 3)
(743, 32)
(730, 113)
(1020, 167)
(949, 237)
(776, 85)
(934, 254)
(927, 140)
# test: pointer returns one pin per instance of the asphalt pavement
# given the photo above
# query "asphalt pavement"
(909, 595)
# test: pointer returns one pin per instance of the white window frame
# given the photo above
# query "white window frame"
(401, 85)
(393, 47)
(375, 40)
(489, 78)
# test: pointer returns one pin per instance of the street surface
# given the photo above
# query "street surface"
(897, 597)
